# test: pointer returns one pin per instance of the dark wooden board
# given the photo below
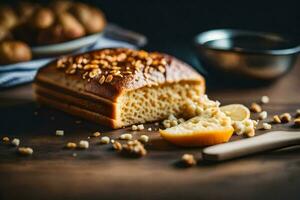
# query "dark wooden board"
(100, 173)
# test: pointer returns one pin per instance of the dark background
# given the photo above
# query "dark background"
(170, 25)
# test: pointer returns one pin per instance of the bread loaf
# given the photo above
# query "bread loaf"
(119, 87)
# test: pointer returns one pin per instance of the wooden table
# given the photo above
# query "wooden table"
(100, 173)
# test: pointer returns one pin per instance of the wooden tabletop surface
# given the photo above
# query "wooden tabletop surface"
(52, 172)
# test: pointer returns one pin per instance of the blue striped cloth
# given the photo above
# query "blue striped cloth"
(24, 72)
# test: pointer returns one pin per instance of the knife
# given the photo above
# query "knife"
(265, 142)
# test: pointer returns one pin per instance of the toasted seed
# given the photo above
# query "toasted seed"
(189, 160)
(265, 99)
(263, 115)
(104, 140)
(15, 142)
(285, 117)
(25, 151)
(71, 145)
(83, 144)
(125, 136)
(59, 133)
(276, 119)
(255, 108)
(102, 79)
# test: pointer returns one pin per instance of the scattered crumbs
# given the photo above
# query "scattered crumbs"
(140, 127)
(265, 99)
(71, 145)
(126, 136)
(266, 126)
(96, 134)
(150, 129)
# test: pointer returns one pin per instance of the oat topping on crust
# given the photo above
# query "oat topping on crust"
(109, 65)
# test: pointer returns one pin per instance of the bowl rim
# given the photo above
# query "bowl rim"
(203, 37)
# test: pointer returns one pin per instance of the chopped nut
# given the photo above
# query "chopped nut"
(255, 108)
(144, 138)
(266, 126)
(25, 150)
(297, 122)
(189, 160)
(285, 117)
(117, 146)
(83, 144)
(15, 142)
(59, 133)
(276, 119)
(265, 99)
(125, 136)
(140, 127)
(134, 128)
(71, 145)
(96, 134)
(5, 139)
(105, 140)
(134, 148)
(263, 115)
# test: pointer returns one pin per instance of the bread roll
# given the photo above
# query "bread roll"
(14, 51)
(119, 87)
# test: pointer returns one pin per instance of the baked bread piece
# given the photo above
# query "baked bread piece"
(119, 87)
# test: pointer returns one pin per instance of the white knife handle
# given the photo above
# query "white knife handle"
(268, 141)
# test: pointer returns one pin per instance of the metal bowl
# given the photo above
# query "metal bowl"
(254, 55)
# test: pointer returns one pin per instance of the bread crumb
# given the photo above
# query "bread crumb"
(189, 160)
(285, 117)
(104, 140)
(265, 99)
(15, 142)
(144, 138)
(25, 151)
(71, 145)
(59, 133)
(134, 148)
(266, 126)
(150, 129)
(297, 122)
(297, 113)
(276, 119)
(140, 127)
(96, 134)
(83, 144)
(5, 139)
(263, 115)
(255, 108)
(117, 146)
(134, 128)
(126, 136)
(156, 124)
